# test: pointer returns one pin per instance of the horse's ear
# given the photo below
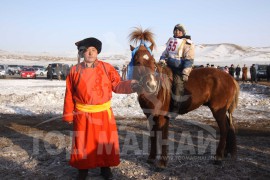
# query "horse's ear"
(152, 47)
(132, 48)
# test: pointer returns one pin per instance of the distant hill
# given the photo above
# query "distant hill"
(221, 54)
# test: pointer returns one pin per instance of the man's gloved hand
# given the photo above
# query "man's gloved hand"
(185, 77)
(162, 62)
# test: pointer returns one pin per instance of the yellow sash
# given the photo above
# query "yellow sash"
(95, 108)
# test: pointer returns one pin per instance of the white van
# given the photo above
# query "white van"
(3, 70)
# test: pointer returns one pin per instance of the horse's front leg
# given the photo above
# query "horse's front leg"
(153, 141)
(163, 124)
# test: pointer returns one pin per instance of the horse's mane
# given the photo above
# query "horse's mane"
(138, 34)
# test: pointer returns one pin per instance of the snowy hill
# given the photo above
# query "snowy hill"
(218, 54)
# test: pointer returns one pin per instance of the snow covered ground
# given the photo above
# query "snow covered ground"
(42, 96)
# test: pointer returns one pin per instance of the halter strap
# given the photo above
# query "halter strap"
(130, 65)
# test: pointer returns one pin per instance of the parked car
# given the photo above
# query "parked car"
(41, 71)
(14, 69)
(261, 71)
(3, 70)
(28, 72)
(37, 66)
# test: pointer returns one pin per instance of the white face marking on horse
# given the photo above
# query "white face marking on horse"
(152, 84)
(146, 57)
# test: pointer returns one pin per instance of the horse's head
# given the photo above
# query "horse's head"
(143, 62)
(145, 69)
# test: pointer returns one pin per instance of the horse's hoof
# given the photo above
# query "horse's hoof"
(161, 164)
(150, 161)
(234, 157)
(217, 162)
(158, 169)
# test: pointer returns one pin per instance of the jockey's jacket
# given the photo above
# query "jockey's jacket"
(179, 48)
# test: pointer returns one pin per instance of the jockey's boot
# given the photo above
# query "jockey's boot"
(106, 173)
(177, 93)
(82, 174)
(185, 73)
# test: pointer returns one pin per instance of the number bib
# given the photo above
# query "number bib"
(175, 47)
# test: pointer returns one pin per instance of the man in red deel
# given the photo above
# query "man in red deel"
(87, 105)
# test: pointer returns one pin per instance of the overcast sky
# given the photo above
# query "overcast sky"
(55, 25)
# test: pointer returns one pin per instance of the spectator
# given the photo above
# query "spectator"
(57, 71)
(232, 70)
(49, 71)
(244, 73)
(124, 72)
(268, 72)
(226, 69)
(65, 71)
(253, 73)
(237, 72)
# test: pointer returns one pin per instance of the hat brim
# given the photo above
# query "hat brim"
(89, 42)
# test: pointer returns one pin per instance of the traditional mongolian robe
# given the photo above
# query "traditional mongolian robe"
(244, 73)
(87, 105)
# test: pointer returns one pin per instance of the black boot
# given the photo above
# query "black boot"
(177, 92)
(106, 173)
(82, 174)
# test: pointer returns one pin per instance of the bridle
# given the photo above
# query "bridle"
(142, 77)
(156, 74)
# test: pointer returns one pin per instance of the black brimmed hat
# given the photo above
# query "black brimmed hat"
(88, 42)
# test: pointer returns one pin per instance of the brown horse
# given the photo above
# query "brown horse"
(206, 86)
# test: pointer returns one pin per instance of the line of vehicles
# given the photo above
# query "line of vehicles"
(31, 71)
(41, 71)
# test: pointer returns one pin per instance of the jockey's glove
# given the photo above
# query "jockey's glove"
(162, 62)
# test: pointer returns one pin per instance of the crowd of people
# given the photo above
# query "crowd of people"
(60, 71)
(237, 71)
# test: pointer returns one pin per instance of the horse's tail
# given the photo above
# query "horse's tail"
(234, 103)
(139, 35)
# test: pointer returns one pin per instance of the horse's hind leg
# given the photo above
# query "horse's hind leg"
(221, 119)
